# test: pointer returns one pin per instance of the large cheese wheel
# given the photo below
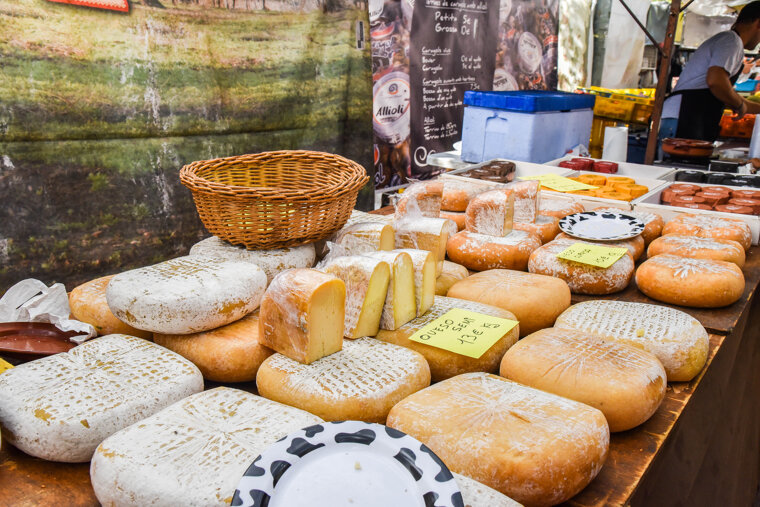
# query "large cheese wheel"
(302, 314)
(491, 213)
(705, 226)
(361, 382)
(477, 494)
(88, 304)
(231, 353)
(701, 283)
(193, 452)
(653, 222)
(635, 245)
(186, 295)
(61, 407)
(559, 208)
(452, 273)
(545, 227)
(422, 199)
(480, 252)
(535, 447)
(582, 278)
(676, 338)
(443, 363)
(535, 300)
(457, 194)
(527, 199)
(698, 248)
(271, 261)
(626, 383)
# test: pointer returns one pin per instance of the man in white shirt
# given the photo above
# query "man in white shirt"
(705, 88)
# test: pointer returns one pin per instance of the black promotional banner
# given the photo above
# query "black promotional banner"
(453, 50)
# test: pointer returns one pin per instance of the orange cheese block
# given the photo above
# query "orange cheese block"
(88, 304)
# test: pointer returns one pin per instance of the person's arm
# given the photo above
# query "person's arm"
(718, 81)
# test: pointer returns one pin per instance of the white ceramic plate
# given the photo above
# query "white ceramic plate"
(601, 225)
(349, 463)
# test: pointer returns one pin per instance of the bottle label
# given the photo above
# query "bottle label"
(390, 117)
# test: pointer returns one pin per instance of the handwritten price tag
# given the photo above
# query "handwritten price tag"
(4, 365)
(595, 255)
(559, 183)
(464, 332)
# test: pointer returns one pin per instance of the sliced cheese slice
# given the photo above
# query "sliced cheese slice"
(425, 233)
(443, 363)
(302, 314)
(491, 213)
(193, 452)
(400, 301)
(452, 273)
(365, 237)
(366, 280)
(424, 278)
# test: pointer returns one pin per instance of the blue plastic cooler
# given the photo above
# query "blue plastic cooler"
(530, 126)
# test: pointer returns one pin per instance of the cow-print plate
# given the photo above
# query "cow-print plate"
(347, 463)
(601, 225)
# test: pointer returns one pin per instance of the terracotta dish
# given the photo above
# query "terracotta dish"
(689, 148)
(31, 340)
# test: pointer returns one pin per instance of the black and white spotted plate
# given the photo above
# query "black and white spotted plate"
(601, 225)
(347, 463)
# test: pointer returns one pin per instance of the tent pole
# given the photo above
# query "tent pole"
(662, 80)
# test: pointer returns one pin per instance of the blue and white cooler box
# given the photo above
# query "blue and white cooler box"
(529, 126)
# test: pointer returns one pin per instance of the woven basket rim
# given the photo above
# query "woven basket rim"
(355, 177)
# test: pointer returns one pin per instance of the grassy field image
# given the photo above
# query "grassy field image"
(99, 110)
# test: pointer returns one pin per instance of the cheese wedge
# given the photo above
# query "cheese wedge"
(452, 273)
(491, 213)
(422, 199)
(365, 237)
(400, 301)
(424, 233)
(424, 278)
(366, 280)
(302, 314)
(446, 364)
(527, 203)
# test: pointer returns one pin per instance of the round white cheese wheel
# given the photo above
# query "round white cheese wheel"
(60, 407)
(192, 453)
(271, 261)
(186, 295)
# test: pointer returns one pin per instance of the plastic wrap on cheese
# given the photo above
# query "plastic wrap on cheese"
(400, 301)
(421, 199)
(365, 237)
(491, 213)
(527, 199)
(423, 233)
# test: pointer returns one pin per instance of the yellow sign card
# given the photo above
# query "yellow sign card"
(4, 365)
(464, 332)
(559, 183)
(594, 255)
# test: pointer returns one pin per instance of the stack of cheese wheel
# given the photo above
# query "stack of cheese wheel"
(707, 197)
(455, 198)
(698, 248)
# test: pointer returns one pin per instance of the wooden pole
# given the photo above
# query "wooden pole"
(662, 80)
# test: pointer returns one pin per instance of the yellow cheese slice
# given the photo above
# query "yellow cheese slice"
(400, 303)
(424, 278)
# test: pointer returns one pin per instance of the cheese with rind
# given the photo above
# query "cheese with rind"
(559, 208)
(192, 453)
(366, 280)
(480, 252)
(361, 382)
(271, 261)
(457, 194)
(676, 338)
(491, 213)
(704, 226)
(363, 237)
(400, 300)
(527, 199)
(452, 273)
(425, 233)
(60, 407)
(424, 278)
(545, 227)
(698, 248)
(443, 363)
(421, 199)
(302, 314)
(535, 447)
(186, 295)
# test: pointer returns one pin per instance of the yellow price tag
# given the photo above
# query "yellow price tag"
(4, 365)
(594, 255)
(559, 183)
(464, 332)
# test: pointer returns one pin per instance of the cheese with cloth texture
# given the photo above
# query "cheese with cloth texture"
(186, 295)
(231, 353)
(400, 300)
(192, 453)
(626, 383)
(424, 233)
(676, 338)
(88, 304)
(364, 237)
(424, 278)
(366, 280)
(535, 447)
(302, 314)
(452, 273)
(443, 363)
(60, 407)
(361, 382)
(491, 213)
(477, 494)
(271, 261)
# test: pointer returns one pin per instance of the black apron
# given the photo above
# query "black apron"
(700, 113)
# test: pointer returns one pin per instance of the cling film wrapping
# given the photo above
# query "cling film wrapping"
(422, 198)
(491, 213)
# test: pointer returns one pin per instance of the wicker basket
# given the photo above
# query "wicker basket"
(274, 199)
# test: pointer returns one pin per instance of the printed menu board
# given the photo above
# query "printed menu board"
(453, 50)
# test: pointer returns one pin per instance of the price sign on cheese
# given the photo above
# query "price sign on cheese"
(464, 332)
(4, 365)
(594, 255)
(559, 183)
